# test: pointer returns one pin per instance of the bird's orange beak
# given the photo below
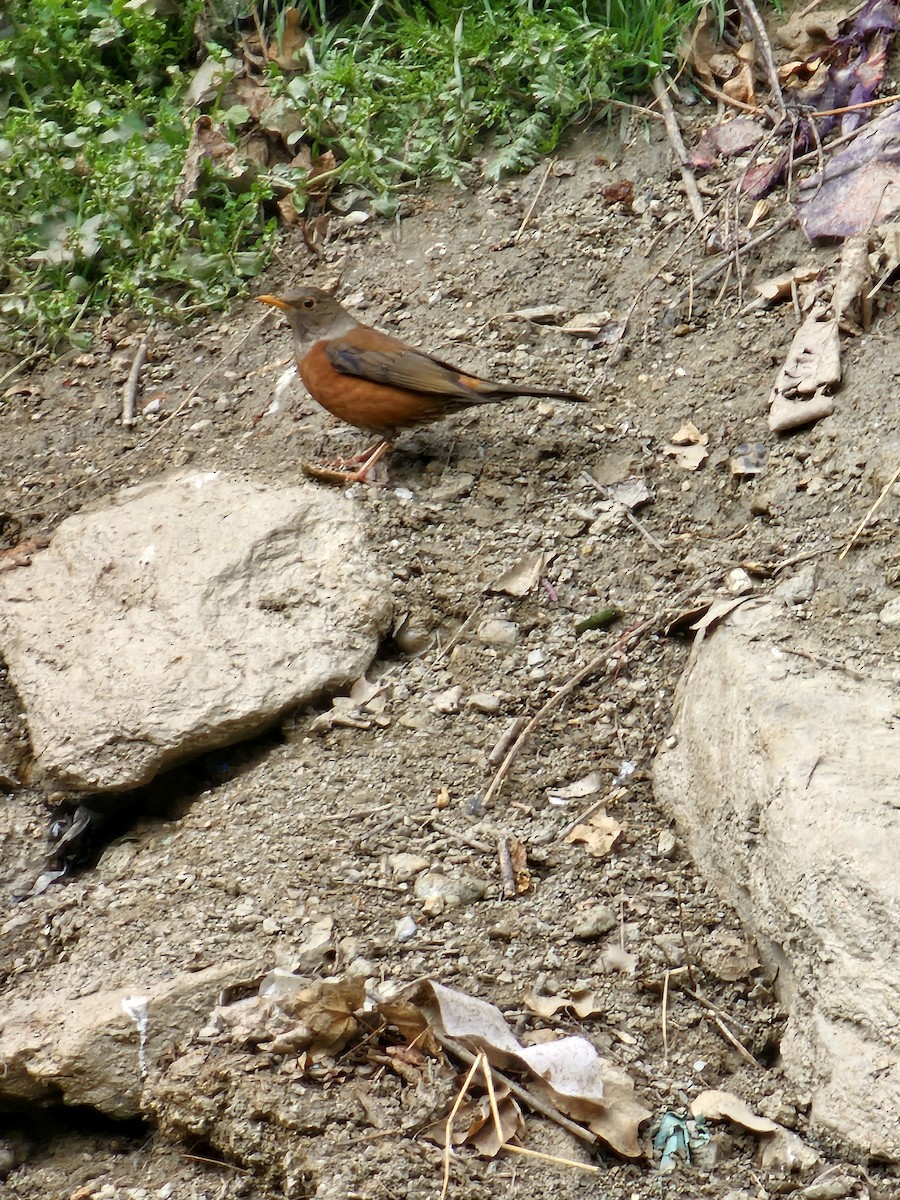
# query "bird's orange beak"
(275, 301)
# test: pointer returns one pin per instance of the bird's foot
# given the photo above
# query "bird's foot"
(337, 472)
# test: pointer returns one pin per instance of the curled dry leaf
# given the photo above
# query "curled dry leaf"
(285, 50)
(630, 493)
(812, 366)
(566, 1073)
(781, 287)
(785, 1149)
(599, 834)
(690, 435)
(689, 458)
(522, 576)
(210, 143)
(740, 86)
(582, 1003)
(588, 785)
(540, 314)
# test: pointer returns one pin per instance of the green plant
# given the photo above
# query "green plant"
(91, 148)
(93, 136)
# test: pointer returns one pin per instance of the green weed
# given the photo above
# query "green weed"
(93, 133)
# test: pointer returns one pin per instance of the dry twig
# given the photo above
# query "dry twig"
(871, 513)
(758, 30)
(507, 874)
(723, 1028)
(130, 391)
(535, 1103)
(600, 663)
(533, 205)
(679, 150)
(448, 1133)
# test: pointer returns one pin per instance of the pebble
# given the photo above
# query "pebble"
(438, 891)
(405, 929)
(495, 632)
(406, 866)
(448, 701)
(595, 922)
(800, 588)
(738, 582)
(484, 702)
(666, 843)
(890, 614)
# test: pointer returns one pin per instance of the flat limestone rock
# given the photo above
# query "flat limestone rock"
(187, 614)
(784, 782)
(98, 1050)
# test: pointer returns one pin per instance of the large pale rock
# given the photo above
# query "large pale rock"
(188, 613)
(100, 1050)
(785, 781)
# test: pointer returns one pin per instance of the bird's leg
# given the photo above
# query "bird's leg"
(361, 457)
(336, 475)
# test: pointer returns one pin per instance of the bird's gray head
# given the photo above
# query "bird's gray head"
(311, 314)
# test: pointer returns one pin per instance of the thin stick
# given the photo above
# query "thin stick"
(715, 94)
(445, 650)
(864, 522)
(448, 1133)
(492, 1099)
(637, 108)
(726, 262)
(145, 442)
(665, 1019)
(505, 740)
(507, 874)
(595, 665)
(498, 1127)
(758, 29)
(723, 1028)
(587, 813)
(535, 1103)
(645, 532)
(848, 108)
(130, 391)
(553, 1158)
(805, 556)
(678, 148)
(533, 205)
(22, 363)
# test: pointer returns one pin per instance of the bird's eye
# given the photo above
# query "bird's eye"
(308, 302)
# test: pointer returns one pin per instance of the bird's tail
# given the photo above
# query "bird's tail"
(518, 389)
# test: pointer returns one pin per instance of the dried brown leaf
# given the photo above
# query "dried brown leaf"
(598, 835)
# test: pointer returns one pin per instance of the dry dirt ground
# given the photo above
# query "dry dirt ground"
(240, 854)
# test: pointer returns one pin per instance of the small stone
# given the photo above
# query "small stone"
(484, 702)
(830, 1189)
(406, 866)
(448, 701)
(503, 931)
(495, 632)
(438, 891)
(890, 614)
(800, 588)
(405, 929)
(738, 582)
(595, 922)
(666, 843)
(536, 657)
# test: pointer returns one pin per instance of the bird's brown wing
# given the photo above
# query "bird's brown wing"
(397, 365)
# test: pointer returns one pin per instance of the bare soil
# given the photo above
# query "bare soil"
(262, 839)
